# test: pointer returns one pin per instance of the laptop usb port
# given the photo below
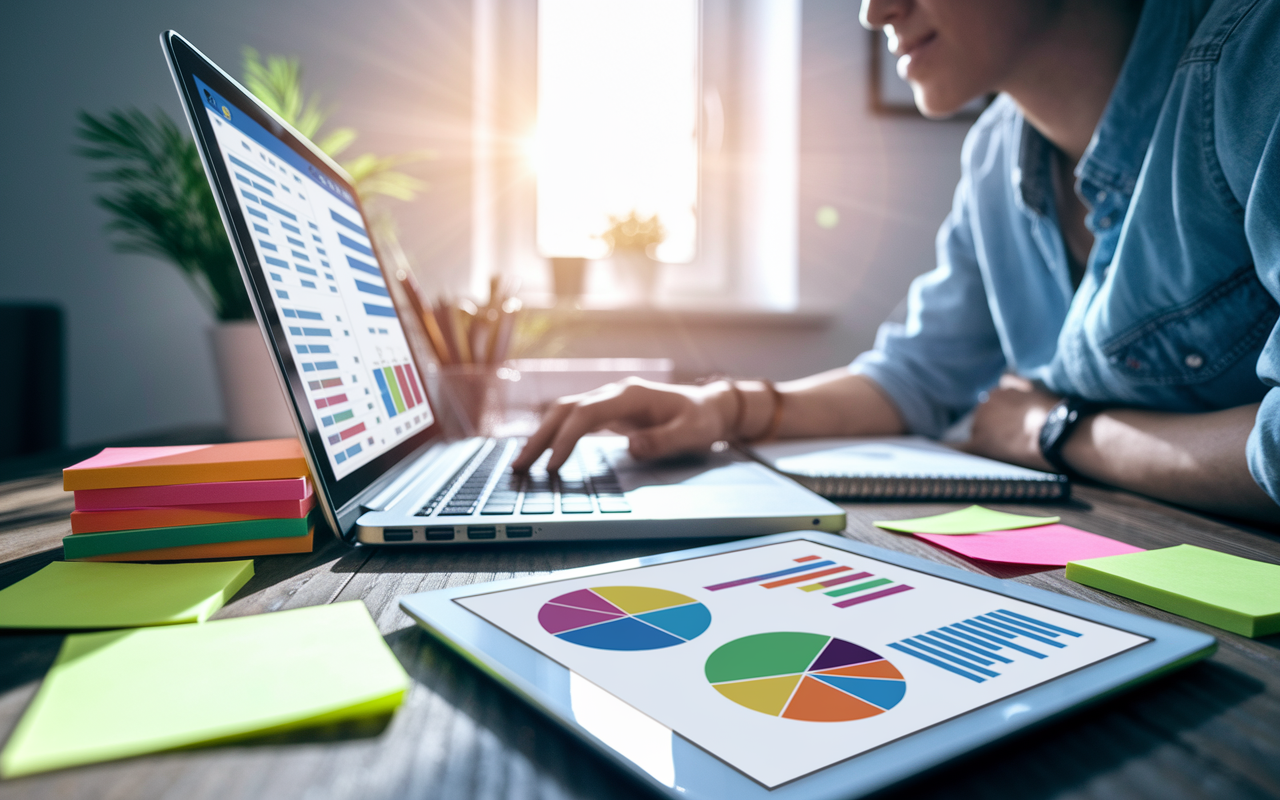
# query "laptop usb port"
(439, 534)
(482, 532)
(397, 534)
(519, 531)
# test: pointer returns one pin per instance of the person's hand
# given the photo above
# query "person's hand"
(658, 419)
(1006, 426)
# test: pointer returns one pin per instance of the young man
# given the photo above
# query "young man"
(1105, 292)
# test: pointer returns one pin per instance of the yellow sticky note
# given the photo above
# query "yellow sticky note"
(974, 519)
(117, 694)
(85, 595)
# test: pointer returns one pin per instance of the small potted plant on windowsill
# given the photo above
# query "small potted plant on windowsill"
(161, 205)
(632, 241)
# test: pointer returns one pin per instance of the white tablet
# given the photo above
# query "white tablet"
(801, 664)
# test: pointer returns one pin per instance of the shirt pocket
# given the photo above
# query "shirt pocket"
(1199, 340)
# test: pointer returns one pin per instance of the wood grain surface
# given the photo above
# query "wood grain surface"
(1210, 731)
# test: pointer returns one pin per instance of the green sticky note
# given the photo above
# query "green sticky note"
(974, 519)
(124, 693)
(1218, 589)
(87, 545)
(90, 595)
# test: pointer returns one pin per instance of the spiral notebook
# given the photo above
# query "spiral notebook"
(904, 468)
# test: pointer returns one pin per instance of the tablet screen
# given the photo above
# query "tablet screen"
(785, 659)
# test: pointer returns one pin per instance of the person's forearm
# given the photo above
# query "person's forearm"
(1195, 460)
(834, 403)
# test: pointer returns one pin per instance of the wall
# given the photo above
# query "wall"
(139, 359)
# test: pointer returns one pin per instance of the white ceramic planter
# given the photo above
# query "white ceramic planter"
(251, 397)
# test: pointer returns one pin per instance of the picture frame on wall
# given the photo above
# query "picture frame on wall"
(890, 95)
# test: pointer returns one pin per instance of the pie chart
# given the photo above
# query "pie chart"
(805, 676)
(624, 618)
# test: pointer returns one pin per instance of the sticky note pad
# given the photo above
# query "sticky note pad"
(1043, 545)
(124, 519)
(119, 467)
(124, 693)
(1226, 591)
(73, 595)
(249, 548)
(189, 494)
(87, 545)
(974, 519)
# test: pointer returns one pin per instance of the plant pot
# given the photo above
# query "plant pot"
(251, 398)
(637, 276)
(569, 276)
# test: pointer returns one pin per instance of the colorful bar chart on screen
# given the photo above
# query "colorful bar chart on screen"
(977, 648)
(849, 585)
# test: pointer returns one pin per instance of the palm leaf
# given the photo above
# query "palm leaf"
(161, 205)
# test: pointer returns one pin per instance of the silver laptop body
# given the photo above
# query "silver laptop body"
(382, 470)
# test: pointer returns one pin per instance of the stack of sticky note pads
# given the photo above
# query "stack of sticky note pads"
(202, 501)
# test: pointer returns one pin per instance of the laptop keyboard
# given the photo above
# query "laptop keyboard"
(586, 484)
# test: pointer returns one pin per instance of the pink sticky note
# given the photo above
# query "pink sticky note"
(1044, 545)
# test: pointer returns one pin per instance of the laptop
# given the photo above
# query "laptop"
(383, 471)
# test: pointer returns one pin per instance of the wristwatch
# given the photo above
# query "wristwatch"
(1058, 427)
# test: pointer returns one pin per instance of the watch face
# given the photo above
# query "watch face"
(1053, 426)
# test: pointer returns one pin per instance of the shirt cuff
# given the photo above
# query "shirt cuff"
(919, 415)
(1263, 449)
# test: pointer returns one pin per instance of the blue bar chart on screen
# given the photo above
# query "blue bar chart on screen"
(304, 223)
(976, 648)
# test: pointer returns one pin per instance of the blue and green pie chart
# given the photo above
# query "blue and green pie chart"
(624, 618)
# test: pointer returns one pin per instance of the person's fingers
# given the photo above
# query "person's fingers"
(629, 404)
(680, 434)
(543, 436)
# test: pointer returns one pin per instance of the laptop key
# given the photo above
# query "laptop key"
(613, 506)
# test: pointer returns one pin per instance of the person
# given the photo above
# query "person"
(1111, 262)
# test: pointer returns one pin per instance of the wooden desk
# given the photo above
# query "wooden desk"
(1210, 731)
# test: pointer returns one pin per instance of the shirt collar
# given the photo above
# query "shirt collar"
(1114, 157)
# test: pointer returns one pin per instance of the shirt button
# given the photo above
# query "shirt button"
(1194, 360)
(1100, 196)
(1104, 223)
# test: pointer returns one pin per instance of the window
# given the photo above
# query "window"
(617, 123)
(684, 108)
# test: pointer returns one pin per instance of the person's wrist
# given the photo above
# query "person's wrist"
(1060, 425)
(725, 402)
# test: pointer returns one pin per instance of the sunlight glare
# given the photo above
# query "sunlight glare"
(617, 122)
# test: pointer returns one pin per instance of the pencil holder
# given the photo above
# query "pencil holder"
(474, 399)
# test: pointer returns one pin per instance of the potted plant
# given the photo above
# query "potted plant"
(161, 205)
(632, 240)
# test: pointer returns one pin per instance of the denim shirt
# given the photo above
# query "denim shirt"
(1177, 308)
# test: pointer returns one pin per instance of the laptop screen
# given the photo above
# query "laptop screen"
(333, 302)
(317, 281)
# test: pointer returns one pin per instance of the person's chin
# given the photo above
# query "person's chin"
(938, 104)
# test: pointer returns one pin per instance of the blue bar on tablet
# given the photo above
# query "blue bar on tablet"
(938, 641)
(915, 642)
(379, 311)
(1037, 622)
(978, 629)
(937, 663)
(1000, 625)
(954, 637)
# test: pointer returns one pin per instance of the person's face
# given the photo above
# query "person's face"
(955, 50)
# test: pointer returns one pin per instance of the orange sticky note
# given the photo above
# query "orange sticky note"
(119, 467)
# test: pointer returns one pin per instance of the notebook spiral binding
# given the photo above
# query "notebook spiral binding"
(1056, 487)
